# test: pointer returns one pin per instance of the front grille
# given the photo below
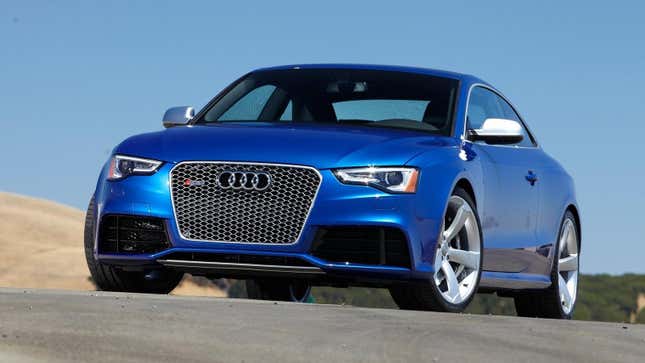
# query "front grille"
(132, 234)
(362, 245)
(206, 211)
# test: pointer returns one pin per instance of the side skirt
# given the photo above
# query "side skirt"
(513, 281)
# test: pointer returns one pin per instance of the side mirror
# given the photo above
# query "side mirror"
(178, 116)
(498, 131)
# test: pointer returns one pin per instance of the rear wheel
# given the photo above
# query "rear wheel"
(281, 290)
(457, 262)
(110, 278)
(558, 301)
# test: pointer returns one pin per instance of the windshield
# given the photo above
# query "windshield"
(339, 96)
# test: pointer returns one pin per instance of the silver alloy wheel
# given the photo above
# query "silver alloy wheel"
(457, 258)
(568, 266)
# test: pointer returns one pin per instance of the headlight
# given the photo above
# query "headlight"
(124, 166)
(391, 179)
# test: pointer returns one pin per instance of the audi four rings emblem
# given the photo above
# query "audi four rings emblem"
(246, 180)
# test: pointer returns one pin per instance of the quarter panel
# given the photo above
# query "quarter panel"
(558, 192)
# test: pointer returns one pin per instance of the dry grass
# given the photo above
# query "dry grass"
(41, 246)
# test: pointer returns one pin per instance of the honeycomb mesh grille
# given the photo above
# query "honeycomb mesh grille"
(207, 212)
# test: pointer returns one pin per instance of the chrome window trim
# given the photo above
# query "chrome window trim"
(536, 144)
(304, 224)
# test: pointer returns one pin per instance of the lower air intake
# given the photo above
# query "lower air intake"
(362, 245)
(131, 234)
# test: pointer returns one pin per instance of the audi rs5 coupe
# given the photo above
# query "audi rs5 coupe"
(425, 182)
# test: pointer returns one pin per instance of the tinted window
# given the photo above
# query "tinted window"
(249, 106)
(356, 97)
(485, 104)
(510, 114)
(287, 114)
(375, 110)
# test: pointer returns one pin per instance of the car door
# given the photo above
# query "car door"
(511, 190)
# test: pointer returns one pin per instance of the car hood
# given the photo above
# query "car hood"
(320, 146)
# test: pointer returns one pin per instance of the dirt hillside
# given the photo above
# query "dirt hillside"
(41, 246)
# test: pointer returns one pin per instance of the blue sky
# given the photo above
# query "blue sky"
(77, 77)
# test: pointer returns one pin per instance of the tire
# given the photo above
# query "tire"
(280, 290)
(432, 296)
(109, 278)
(550, 303)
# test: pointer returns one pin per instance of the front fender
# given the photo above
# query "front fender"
(441, 170)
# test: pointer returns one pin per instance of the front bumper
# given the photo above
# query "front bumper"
(337, 204)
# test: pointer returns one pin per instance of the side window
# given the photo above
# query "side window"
(485, 104)
(510, 114)
(287, 114)
(249, 107)
(482, 105)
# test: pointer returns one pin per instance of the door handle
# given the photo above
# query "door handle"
(531, 177)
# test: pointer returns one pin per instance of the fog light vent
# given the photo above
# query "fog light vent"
(364, 245)
(132, 234)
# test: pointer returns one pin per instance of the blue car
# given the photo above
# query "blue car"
(425, 182)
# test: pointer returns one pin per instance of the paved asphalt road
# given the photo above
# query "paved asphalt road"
(57, 326)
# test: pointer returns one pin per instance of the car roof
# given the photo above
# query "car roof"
(467, 78)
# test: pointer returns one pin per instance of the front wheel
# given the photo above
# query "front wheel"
(296, 291)
(457, 262)
(558, 301)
